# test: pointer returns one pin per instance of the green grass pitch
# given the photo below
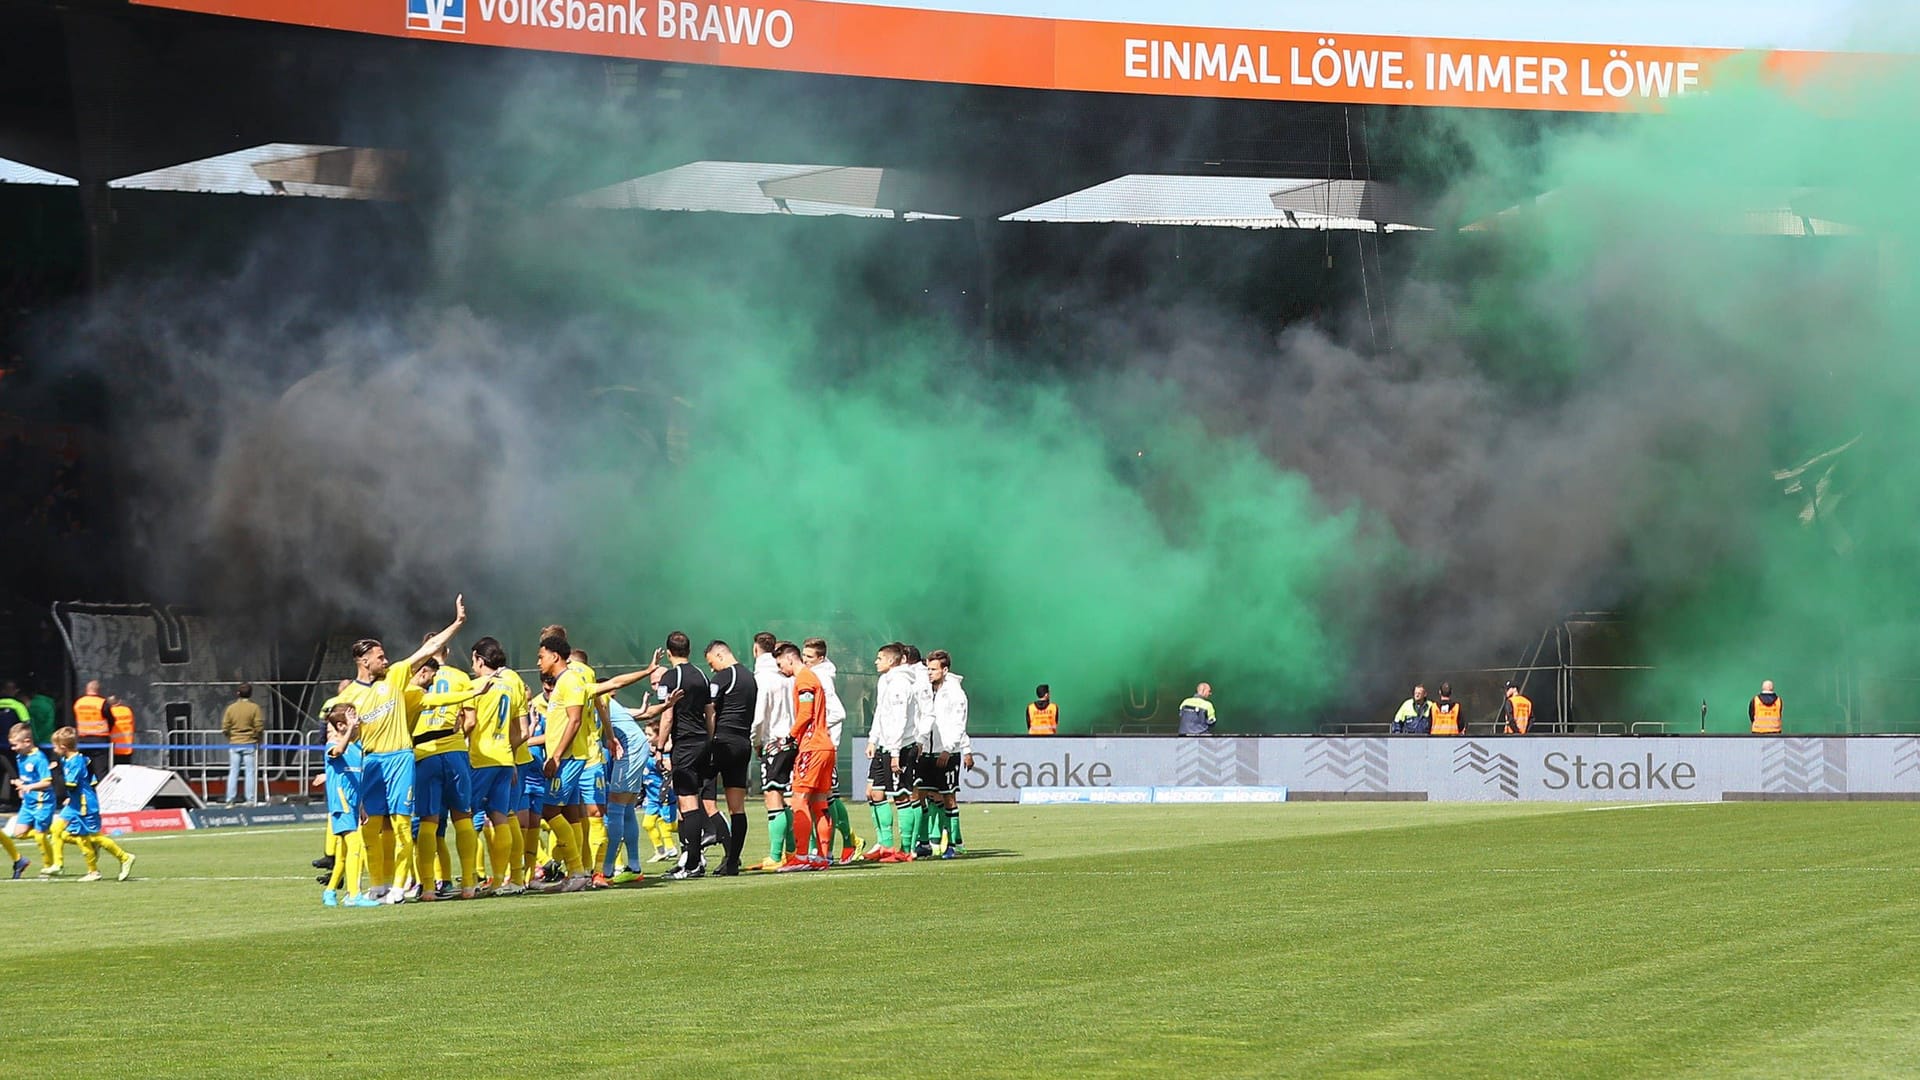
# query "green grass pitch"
(1405, 940)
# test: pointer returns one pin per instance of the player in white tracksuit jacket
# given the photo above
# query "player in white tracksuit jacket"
(914, 809)
(772, 728)
(887, 739)
(949, 750)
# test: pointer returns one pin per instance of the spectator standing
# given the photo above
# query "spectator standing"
(90, 721)
(1763, 712)
(242, 727)
(1415, 716)
(1043, 716)
(1196, 713)
(13, 713)
(120, 720)
(43, 714)
(10, 703)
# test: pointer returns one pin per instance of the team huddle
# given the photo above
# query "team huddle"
(553, 791)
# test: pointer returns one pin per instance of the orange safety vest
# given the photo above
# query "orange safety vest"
(90, 717)
(1522, 714)
(122, 730)
(1446, 718)
(1766, 718)
(1043, 721)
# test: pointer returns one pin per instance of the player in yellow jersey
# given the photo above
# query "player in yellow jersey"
(443, 779)
(379, 697)
(587, 799)
(496, 734)
(566, 705)
(596, 739)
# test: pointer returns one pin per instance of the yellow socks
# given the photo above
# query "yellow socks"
(529, 851)
(501, 850)
(564, 847)
(466, 841)
(355, 859)
(401, 827)
(339, 862)
(426, 848)
(57, 844)
(376, 840)
(6, 843)
(112, 848)
(596, 843)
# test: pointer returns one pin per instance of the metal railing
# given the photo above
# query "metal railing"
(201, 757)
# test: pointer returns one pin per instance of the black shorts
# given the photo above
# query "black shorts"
(880, 771)
(929, 774)
(692, 767)
(730, 758)
(776, 769)
(909, 769)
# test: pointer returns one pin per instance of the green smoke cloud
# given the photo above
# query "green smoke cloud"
(1628, 395)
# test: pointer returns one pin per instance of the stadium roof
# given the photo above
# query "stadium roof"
(754, 187)
(326, 172)
(1243, 202)
(18, 172)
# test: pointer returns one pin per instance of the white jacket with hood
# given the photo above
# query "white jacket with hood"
(836, 712)
(894, 711)
(949, 708)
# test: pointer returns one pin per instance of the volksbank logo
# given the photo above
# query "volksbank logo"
(437, 16)
(1499, 770)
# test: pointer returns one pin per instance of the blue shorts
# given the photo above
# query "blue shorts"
(443, 785)
(533, 787)
(663, 805)
(341, 822)
(79, 824)
(37, 819)
(386, 784)
(564, 789)
(593, 784)
(494, 789)
(624, 777)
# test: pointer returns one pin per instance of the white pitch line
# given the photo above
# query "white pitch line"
(1647, 806)
(72, 879)
(1514, 870)
(188, 834)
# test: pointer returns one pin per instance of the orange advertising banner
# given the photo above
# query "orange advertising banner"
(824, 37)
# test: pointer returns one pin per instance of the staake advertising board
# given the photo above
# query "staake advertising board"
(1554, 769)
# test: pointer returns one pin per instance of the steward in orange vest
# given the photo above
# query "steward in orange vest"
(1763, 712)
(122, 715)
(1043, 716)
(90, 714)
(1446, 713)
(1517, 714)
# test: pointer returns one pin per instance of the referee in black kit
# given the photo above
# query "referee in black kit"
(731, 696)
(690, 737)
